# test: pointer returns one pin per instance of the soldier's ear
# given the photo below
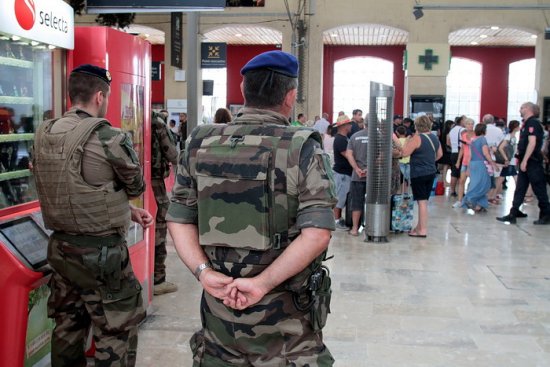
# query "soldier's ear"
(290, 98)
(99, 96)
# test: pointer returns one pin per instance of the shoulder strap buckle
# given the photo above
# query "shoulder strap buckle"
(277, 241)
(235, 140)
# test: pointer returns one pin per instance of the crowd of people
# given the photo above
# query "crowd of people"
(254, 244)
(482, 158)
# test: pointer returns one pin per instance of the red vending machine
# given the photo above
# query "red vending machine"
(33, 38)
(128, 59)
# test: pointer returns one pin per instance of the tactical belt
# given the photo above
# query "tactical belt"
(87, 241)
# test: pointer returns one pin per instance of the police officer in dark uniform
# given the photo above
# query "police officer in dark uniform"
(531, 169)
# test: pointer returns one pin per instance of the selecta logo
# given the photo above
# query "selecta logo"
(25, 13)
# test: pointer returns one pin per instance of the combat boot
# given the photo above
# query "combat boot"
(163, 288)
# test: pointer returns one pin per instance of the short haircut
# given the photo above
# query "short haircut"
(82, 87)
(300, 115)
(488, 119)
(401, 130)
(266, 89)
(533, 107)
(356, 111)
(423, 124)
(480, 129)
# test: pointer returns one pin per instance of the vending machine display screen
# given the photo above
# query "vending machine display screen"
(28, 239)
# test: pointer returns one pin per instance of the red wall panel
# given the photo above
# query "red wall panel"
(237, 57)
(157, 86)
(495, 62)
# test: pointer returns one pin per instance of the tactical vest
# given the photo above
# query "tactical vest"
(243, 173)
(68, 203)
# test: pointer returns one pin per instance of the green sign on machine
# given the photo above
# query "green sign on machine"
(39, 329)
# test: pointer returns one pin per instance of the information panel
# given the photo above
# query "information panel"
(28, 239)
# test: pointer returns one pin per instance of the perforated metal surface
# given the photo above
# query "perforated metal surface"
(377, 218)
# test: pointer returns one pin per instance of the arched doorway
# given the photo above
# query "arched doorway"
(352, 79)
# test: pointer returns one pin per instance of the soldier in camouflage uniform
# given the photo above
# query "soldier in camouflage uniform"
(163, 152)
(85, 172)
(251, 216)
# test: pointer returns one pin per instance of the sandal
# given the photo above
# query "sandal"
(414, 234)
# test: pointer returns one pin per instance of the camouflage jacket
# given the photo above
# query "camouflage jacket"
(309, 189)
(163, 149)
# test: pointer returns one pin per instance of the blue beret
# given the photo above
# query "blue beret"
(94, 71)
(277, 61)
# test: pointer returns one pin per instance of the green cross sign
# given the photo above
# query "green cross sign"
(428, 59)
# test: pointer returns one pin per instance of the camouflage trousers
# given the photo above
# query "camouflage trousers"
(93, 288)
(272, 333)
(161, 198)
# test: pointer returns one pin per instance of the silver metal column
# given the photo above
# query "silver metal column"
(378, 207)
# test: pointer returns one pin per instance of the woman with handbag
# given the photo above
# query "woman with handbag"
(424, 149)
(481, 168)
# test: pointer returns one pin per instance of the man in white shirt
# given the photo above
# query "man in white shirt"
(322, 124)
(494, 134)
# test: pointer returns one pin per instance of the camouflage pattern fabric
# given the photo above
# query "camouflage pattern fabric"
(163, 152)
(163, 149)
(300, 194)
(85, 294)
(271, 333)
(93, 284)
(159, 190)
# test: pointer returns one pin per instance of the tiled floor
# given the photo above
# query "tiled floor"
(476, 292)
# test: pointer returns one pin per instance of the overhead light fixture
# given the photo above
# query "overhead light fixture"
(15, 38)
(238, 35)
(534, 36)
(51, 47)
(474, 43)
(417, 12)
(483, 36)
(34, 43)
(495, 28)
(334, 35)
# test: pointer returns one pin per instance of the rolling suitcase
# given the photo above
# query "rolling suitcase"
(402, 207)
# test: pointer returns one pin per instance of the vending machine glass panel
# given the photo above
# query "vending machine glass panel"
(25, 101)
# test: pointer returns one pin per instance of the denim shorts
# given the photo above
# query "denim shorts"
(342, 188)
(405, 171)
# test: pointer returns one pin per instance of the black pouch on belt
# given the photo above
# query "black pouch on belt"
(321, 293)
(110, 263)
